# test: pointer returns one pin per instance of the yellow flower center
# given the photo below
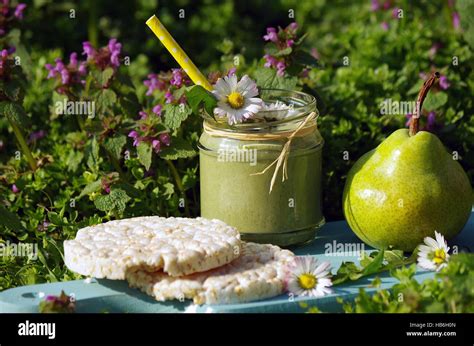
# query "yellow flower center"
(235, 100)
(307, 281)
(439, 256)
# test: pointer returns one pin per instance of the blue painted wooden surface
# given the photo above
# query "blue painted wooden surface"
(116, 296)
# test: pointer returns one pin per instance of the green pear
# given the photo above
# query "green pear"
(406, 189)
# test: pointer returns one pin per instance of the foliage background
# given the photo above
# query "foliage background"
(382, 63)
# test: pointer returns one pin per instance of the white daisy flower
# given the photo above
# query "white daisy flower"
(434, 255)
(236, 100)
(307, 278)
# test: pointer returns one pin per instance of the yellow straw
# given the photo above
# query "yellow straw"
(177, 52)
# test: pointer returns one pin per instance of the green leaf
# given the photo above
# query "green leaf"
(144, 154)
(174, 115)
(197, 96)
(179, 149)
(103, 77)
(435, 101)
(13, 90)
(73, 160)
(114, 145)
(14, 112)
(465, 8)
(91, 187)
(9, 220)
(375, 264)
(267, 78)
(92, 154)
(105, 99)
(116, 200)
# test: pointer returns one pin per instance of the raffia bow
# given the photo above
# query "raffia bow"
(282, 159)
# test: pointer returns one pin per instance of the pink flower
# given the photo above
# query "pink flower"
(232, 71)
(15, 189)
(169, 97)
(271, 35)
(456, 20)
(88, 50)
(176, 78)
(153, 83)
(281, 68)
(142, 115)
(395, 13)
(293, 26)
(385, 26)
(444, 83)
(374, 5)
(19, 10)
(270, 60)
(155, 144)
(290, 43)
(73, 60)
(157, 109)
(165, 139)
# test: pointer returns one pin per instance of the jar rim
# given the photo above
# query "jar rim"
(301, 111)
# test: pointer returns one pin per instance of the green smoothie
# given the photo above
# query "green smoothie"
(290, 214)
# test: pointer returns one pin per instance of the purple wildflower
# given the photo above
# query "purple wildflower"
(19, 10)
(374, 5)
(444, 83)
(271, 35)
(385, 26)
(290, 43)
(143, 115)
(231, 72)
(114, 49)
(269, 60)
(157, 109)
(281, 66)
(169, 97)
(136, 139)
(35, 136)
(165, 138)
(177, 77)
(88, 50)
(430, 122)
(15, 189)
(456, 20)
(395, 13)
(155, 144)
(153, 83)
(73, 60)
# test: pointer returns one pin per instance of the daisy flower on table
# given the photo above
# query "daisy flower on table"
(433, 254)
(236, 99)
(308, 278)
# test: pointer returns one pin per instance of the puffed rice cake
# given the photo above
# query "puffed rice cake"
(177, 246)
(257, 274)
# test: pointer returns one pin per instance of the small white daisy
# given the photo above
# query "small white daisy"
(434, 255)
(236, 100)
(307, 278)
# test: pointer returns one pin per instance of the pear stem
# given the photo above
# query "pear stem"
(414, 122)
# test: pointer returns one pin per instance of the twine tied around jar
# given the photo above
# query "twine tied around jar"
(282, 159)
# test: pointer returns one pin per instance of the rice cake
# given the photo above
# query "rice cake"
(177, 246)
(257, 274)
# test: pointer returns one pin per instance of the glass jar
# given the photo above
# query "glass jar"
(233, 188)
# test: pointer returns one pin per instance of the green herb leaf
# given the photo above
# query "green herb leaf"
(91, 188)
(9, 220)
(197, 96)
(14, 112)
(179, 149)
(435, 101)
(268, 78)
(116, 200)
(115, 145)
(144, 154)
(105, 99)
(174, 115)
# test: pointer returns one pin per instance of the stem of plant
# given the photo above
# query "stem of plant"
(414, 122)
(179, 184)
(24, 147)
